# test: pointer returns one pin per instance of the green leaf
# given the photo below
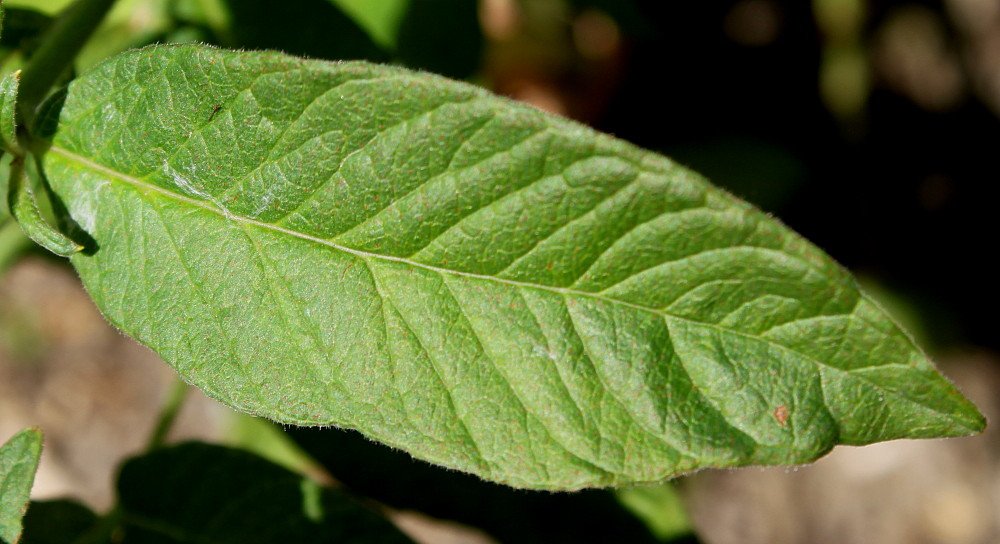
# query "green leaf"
(489, 287)
(18, 463)
(8, 111)
(25, 210)
(660, 507)
(204, 493)
(379, 18)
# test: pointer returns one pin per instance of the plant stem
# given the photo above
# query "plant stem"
(168, 414)
(59, 47)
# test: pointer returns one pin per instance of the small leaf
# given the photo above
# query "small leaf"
(8, 111)
(204, 493)
(660, 507)
(379, 18)
(18, 463)
(484, 285)
(25, 210)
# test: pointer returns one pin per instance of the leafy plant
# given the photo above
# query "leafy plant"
(487, 287)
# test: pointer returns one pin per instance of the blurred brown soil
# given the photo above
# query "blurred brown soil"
(92, 391)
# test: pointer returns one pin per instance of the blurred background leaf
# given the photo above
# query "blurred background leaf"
(58, 522)
(21, 30)
(441, 36)
(201, 492)
(661, 508)
(311, 28)
(394, 478)
(379, 18)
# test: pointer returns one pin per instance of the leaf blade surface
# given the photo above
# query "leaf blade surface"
(19, 458)
(488, 287)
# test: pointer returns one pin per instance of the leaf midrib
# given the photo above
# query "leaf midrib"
(220, 210)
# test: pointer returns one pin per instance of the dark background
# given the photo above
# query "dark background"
(897, 191)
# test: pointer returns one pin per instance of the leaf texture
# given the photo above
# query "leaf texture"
(18, 462)
(8, 110)
(486, 286)
(24, 209)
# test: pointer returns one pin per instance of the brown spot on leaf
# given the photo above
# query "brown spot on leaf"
(781, 414)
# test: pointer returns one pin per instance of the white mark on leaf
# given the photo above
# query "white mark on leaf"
(543, 352)
(190, 189)
(265, 202)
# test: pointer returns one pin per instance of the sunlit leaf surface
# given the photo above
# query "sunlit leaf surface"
(488, 287)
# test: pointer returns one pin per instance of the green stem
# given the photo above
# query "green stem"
(59, 47)
(168, 414)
